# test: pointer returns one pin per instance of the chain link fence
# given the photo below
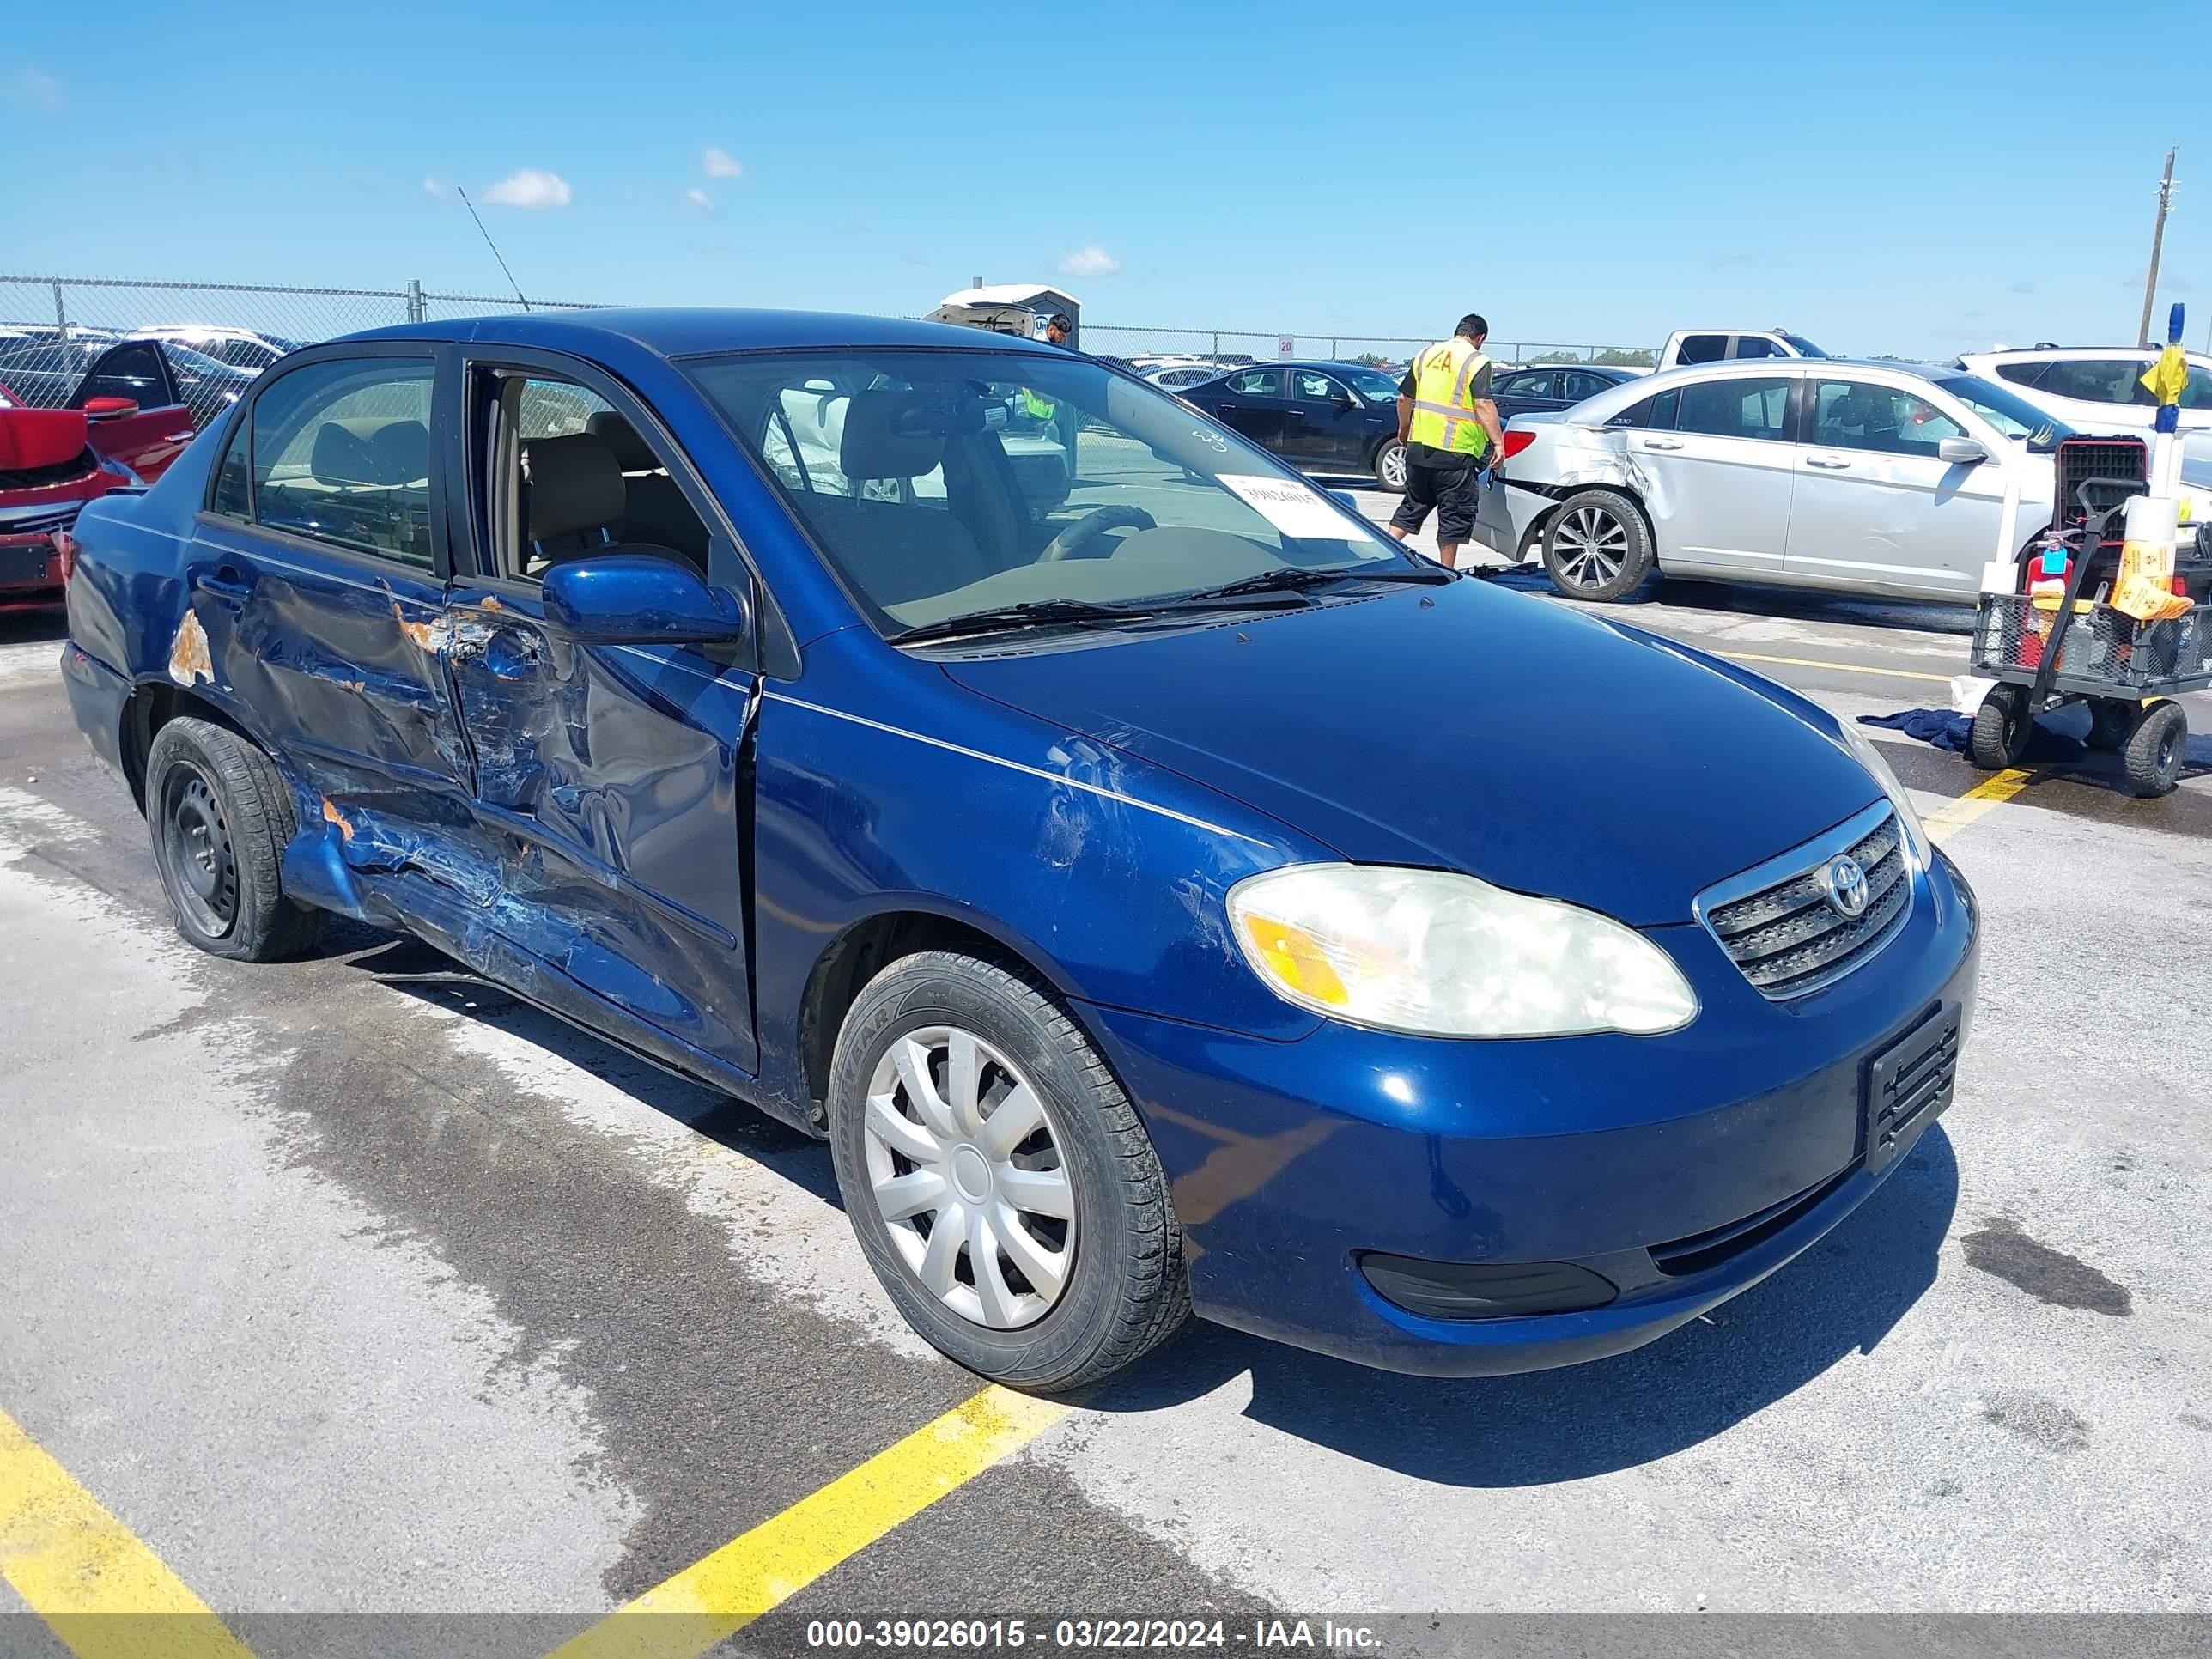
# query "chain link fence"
(54, 329)
(1395, 350)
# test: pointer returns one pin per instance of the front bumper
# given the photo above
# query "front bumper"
(1683, 1170)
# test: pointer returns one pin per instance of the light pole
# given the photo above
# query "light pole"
(2157, 242)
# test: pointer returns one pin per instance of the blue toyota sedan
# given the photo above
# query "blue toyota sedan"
(1167, 893)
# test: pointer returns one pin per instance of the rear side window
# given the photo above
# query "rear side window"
(1741, 408)
(2098, 380)
(342, 455)
(1656, 413)
(1702, 348)
(1257, 383)
(2021, 374)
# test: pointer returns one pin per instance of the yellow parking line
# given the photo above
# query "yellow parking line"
(1835, 667)
(105, 1594)
(1983, 798)
(754, 1572)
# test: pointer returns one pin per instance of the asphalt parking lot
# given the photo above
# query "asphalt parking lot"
(352, 1286)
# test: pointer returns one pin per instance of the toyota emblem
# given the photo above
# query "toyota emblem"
(1845, 883)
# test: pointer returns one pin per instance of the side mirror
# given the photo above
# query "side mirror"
(108, 409)
(1344, 400)
(636, 599)
(1960, 451)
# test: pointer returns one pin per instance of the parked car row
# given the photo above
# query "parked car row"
(1872, 478)
(202, 368)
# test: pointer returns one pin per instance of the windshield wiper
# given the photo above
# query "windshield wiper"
(1028, 613)
(1293, 579)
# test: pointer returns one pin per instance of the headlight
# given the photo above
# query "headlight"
(1443, 955)
(1916, 838)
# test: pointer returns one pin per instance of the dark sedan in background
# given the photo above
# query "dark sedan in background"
(1320, 417)
(1553, 386)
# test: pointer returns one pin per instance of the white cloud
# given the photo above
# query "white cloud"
(1091, 261)
(699, 199)
(531, 187)
(720, 163)
(432, 187)
(34, 86)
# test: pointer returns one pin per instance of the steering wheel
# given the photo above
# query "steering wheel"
(1070, 542)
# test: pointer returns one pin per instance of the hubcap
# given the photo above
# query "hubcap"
(197, 841)
(1394, 468)
(1590, 546)
(964, 1161)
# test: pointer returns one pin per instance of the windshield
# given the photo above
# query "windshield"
(2013, 416)
(1803, 347)
(941, 483)
(1374, 385)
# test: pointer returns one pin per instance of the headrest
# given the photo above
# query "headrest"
(630, 451)
(371, 452)
(873, 447)
(32, 438)
(575, 484)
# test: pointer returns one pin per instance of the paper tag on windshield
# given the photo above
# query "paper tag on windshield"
(1296, 509)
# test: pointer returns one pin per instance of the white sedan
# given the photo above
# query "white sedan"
(1861, 477)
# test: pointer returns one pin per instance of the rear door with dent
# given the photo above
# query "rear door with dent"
(316, 591)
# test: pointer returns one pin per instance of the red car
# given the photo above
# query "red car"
(50, 465)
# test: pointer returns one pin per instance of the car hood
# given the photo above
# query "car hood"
(1468, 728)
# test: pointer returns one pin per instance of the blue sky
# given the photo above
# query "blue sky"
(1909, 179)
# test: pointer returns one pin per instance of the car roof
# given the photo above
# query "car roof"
(2065, 354)
(685, 333)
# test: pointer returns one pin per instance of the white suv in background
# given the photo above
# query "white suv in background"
(2099, 390)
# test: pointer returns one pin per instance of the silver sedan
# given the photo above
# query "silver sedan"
(1884, 478)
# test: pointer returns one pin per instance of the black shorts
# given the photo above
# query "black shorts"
(1454, 493)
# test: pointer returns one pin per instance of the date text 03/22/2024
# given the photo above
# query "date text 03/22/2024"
(1089, 1634)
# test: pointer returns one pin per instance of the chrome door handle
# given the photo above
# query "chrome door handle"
(1662, 443)
(1827, 463)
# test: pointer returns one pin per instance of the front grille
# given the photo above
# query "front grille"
(39, 524)
(1782, 932)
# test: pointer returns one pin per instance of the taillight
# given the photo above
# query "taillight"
(1518, 441)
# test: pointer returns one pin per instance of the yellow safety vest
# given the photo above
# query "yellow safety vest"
(1041, 409)
(1443, 414)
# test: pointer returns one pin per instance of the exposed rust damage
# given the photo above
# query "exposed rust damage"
(331, 815)
(189, 661)
(490, 602)
(429, 637)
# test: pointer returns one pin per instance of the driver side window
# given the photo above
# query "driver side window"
(570, 476)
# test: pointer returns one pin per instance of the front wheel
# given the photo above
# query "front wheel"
(1390, 466)
(1001, 1185)
(1597, 547)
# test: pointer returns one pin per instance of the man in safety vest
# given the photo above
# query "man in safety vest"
(1449, 425)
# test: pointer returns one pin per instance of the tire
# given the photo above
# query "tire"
(1596, 546)
(2153, 754)
(2002, 728)
(219, 813)
(2110, 722)
(1390, 466)
(1118, 1253)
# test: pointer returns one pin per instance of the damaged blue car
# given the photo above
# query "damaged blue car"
(1159, 887)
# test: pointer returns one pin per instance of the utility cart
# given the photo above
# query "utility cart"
(2047, 651)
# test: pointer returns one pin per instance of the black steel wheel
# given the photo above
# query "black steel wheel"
(2110, 722)
(219, 813)
(2002, 727)
(2155, 750)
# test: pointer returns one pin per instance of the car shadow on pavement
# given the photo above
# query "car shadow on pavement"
(421, 971)
(1840, 1298)
(33, 625)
